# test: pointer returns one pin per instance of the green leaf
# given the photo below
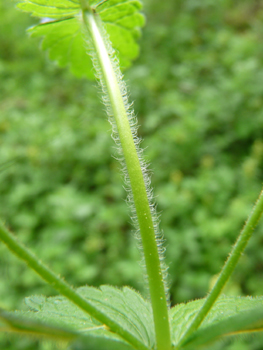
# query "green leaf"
(10, 322)
(125, 306)
(244, 322)
(109, 342)
(113, 323)
(65, 40)
(65, 44)
(94, 340)
(182, 314)
(50, 8)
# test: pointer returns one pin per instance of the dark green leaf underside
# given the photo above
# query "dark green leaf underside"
(100, 343)
(125, 306)
(182, 315)
(14, 323)
(242, 323)
(11, 322)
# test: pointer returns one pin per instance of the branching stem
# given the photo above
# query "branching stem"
(229, 266)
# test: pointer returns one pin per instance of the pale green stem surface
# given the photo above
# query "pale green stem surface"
(152, 261)
(62, 287)
(229, 266)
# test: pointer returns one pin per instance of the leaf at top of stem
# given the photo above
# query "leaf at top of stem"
(62, 30)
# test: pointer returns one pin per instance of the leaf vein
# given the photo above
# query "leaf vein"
(53, 7)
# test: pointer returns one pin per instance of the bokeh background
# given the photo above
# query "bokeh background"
(198, 93)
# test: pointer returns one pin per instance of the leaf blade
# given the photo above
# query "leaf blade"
(64, 43)
(69, 293)
(122, 21)
(57, 9)
(182, 315)
(246, 322)
(14, 323)
(125, 306)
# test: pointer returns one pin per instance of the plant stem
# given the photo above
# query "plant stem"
(138, 187)
(85, 5)
(65, 289)
(229, 266)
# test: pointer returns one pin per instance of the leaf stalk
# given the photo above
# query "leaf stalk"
(229, 266)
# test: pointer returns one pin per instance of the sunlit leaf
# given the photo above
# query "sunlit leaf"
(65, 44)
(63, 35)
(50, 8)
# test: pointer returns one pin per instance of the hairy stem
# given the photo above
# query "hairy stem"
(137, 183)
(65, 289)
(229, 266)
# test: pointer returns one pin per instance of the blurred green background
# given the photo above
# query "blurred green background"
(198, 92)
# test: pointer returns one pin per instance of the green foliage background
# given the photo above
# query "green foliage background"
(198, 93)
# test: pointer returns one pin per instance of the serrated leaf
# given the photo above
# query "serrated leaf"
(65, 44)
(93, 340)
(125, 306)
(109, 342)
(182, 314)
(123, 42)
(244, 322)
(64, 37)
(10, 322)
(123, 22)
(50, 8)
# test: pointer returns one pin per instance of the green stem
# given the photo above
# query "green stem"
(229, 266)
(138, 187)
(85, 5)
(62, 287)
